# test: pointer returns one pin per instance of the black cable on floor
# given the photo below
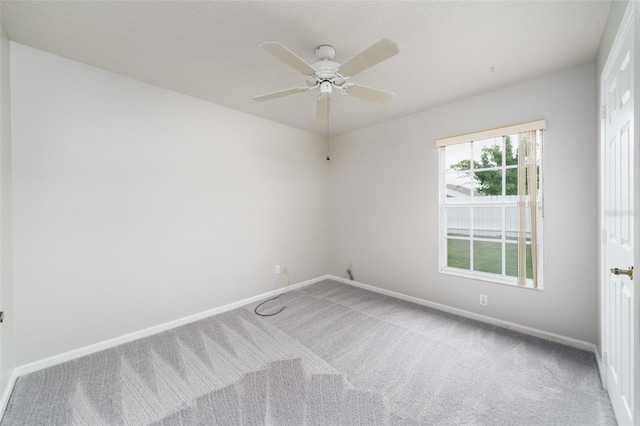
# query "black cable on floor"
(269, 300)
(274, 298)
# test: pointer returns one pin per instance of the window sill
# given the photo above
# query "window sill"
(479, 276)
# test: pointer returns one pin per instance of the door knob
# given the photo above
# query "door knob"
(618, 271)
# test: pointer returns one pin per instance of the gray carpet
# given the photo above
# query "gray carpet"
(338, 355)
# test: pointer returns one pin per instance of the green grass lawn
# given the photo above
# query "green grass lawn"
(487, 257)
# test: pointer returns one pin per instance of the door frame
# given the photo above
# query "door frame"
(636, 203)
(631, 17)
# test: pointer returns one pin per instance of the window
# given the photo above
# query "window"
(491, 205)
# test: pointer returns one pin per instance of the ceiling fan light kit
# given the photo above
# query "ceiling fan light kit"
(326, 75)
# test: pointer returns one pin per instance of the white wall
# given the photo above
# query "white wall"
(134, 205)
(7, 344)
(383, 208)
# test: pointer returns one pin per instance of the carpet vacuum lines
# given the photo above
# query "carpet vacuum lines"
(338, 355)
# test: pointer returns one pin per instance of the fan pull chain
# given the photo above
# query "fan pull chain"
(328, 135)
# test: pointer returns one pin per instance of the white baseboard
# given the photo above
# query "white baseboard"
(601, 369)
(6, 394)
(87, 350)
(580, 344)
(100, 346)
(96, 347)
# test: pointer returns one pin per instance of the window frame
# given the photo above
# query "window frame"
(501, 278)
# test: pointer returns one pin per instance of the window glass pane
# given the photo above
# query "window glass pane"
(511, 185)
(488, 186)
(458, 221)
(487, 257)
(511, 150)
(511, 260)
(457, 188)
(537, 180)
(538, 163)
(511, 172)
(527, 229)
(457, 157)
(487, 222)
(458, 253)
(511, 223)
(487, 153)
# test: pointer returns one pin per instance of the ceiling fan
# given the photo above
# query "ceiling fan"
(326, 75)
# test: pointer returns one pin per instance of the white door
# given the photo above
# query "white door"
(619, 302)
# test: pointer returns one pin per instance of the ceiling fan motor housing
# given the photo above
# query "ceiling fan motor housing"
(326, 69)
(325, 52)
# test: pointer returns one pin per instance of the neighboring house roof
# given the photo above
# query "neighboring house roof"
(458, 191)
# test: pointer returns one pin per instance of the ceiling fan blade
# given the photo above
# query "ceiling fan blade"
(288, 57)
(382, 50)
(370, 94)
(322, 109)
(281, 93)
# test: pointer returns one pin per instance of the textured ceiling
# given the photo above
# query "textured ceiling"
(210, 49)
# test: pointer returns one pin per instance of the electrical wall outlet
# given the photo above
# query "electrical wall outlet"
(278, 269)
(484, 299)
